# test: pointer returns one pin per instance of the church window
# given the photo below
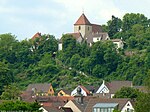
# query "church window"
(88, 28)
(79, 27)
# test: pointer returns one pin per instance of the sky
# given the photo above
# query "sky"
(24, 18)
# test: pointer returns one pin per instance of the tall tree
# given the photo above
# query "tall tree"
(114, 26)
(6, 76)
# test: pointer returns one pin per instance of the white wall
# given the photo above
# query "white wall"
(71, 105)
(103, 89)
(74, 92)
(60, 46)
(124, 109)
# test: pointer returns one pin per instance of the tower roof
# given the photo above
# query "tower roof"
(82, 20)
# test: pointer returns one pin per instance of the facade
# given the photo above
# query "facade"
(104, 107)
(72, 106)
(118, 42)
(112, 87)
(84, 91)
(64, 93)
(108, 105)
(41, 89)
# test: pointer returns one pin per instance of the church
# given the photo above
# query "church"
(91, 33)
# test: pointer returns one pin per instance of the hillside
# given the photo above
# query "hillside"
(38, 60)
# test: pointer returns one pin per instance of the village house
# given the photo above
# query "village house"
(110, 88)
(91, 33)
(84, 91)
(41, 89)
(108, 105)
(64, 92)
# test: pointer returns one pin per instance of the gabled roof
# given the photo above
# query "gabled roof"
(37, 35)
(82, 20)
(86, 90)
(44, 87)
(92, 102)
(116, 40)
(92, 88)
(67, 91)
(75, 35)
(96, 28)
(103, 36)
(114, 86)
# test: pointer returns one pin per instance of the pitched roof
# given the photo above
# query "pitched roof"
(116, 40)
(114, 86)
(86, 90)
(94, 101)
(90, 37)
(67, 91)
(92, 88)
(37, 35)
(75, 35)
(44, 87)
(82, 20)
(96, 28)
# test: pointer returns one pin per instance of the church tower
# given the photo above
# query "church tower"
(83, 26)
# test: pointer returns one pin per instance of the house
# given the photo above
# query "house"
(41, 89)
(108, 105)
(52, 103)
(64, 93)
(84, 91)
(118, 42)
(79, 103)
(112, 87)
(37, 35)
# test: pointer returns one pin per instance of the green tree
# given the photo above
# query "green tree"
(114, 26)
(11, 92)
(19, 106)
(6, 76)
(131, 19)
(75, 60)
(127, 92)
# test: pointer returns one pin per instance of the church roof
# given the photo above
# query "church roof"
(82, 20)
(37, 35)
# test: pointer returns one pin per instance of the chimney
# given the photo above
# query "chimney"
(79, 97)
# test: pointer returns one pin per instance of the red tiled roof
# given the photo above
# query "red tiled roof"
(37, 35)
(87, 91)
(82, 20)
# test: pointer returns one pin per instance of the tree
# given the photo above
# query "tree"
(114, 26)
(127, 92)
(142, 103)
(6, 76)
(131, 19)
(137, 30)
(11, 92)
(19, 106)
(75, 60)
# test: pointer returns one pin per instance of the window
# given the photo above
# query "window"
(79, 27)
(88, 28)
(128, 104)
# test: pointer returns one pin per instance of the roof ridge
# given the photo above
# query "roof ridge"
(82, 20)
